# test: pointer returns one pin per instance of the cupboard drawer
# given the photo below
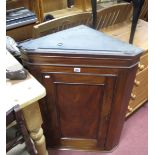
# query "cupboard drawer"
(143, 63)
(140, 91)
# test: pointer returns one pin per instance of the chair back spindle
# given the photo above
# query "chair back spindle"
(112, 15)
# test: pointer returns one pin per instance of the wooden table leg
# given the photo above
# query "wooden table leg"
(33, 122)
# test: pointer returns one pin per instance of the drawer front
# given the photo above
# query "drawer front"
(143, 63)
(140, 91)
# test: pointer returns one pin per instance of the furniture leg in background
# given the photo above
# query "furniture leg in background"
(137, 6)
(16, 132)
(94, 12)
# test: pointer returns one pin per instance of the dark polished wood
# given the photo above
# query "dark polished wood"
(87, 94)
(87, 105)
(87, 108)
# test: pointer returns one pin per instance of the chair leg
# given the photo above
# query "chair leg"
(137, 6)
(30, 147)
(21, 123)
(94, 12)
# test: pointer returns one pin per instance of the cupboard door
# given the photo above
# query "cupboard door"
(78, 107)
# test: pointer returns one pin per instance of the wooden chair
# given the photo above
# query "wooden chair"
(112, 15)
(17, 133)
(62, 23)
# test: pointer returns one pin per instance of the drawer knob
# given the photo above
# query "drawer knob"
(133, 96)
(136, 82)
(141, 67)
(130, 109)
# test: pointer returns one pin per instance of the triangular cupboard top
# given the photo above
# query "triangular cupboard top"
(80, 40)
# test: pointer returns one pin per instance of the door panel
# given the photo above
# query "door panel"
(79, 116)
(78, 106)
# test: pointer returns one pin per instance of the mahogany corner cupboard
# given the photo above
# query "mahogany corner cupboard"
(88, 78)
